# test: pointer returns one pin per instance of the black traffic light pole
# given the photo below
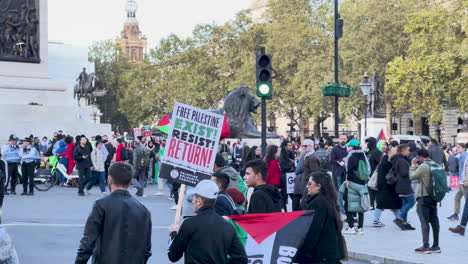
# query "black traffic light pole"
(336, 66)
(264, 117)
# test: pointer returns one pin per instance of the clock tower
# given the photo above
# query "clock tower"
(131, 40)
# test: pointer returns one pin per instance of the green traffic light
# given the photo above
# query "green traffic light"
(264, 89)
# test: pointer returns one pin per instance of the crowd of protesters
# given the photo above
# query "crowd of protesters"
(339, 181)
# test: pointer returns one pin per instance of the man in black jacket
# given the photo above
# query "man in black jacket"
(374, 155)
(265, 198)
(82, 156)
(118, 230)
(205, 238)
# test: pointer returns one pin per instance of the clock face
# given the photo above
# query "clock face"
(131, 6)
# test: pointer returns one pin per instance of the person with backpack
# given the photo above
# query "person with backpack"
(141, 162)
(354, 187)
(403, 186)
(224, 205)
(429, 192)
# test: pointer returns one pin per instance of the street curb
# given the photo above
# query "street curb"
(372, 258)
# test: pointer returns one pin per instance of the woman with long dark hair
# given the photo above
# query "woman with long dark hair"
(323, 242)
(254, 153)
(274, 170)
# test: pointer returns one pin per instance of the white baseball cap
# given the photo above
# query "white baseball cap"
(207, 189)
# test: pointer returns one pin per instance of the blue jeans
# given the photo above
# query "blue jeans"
(63, 161)
(378, 212)
(97, 176)
(408, 203)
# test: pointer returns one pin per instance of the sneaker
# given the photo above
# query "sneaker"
(423, 250)
(359, 231)
(453, 217)
(349, 231)
(436, 249)
(372, 208)
(458, 230)
(399, 223)
(104, 193)
(378, 224)
(81, 194)
(24, 193)
(174, 207)
(407, 226)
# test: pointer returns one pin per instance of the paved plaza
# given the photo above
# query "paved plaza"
(47, 227)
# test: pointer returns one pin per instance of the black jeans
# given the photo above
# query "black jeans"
(427, 212)
(27, 169)
(84, 176)
(106, 171)
(13, 175)
(296, 202)
(350, 219)
(175, 191)
(2, 183)
(372, 197)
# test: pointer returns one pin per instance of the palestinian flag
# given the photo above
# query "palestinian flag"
(163, 124)
(272, 238)
(381, 139)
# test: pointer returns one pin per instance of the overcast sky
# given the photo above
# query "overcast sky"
(81, 22)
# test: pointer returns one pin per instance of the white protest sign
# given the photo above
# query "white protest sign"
(191, 145)
(290, 182)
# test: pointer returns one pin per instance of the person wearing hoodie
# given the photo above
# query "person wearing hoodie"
(354, 187)
(374, 155)
(235, 180)
(287, 165)
(265, 198)
(401, 166)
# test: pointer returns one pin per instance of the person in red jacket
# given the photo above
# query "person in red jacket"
(274, 170)
(69, 154)
(118, 152)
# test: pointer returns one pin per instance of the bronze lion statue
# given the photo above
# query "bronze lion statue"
(237, 107)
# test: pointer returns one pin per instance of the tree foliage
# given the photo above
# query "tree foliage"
(416, 43)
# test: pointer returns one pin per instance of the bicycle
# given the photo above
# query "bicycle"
(45, 179)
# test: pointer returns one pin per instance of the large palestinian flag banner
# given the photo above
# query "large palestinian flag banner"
(272, 238)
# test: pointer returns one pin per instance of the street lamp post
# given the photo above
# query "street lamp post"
(366, 88)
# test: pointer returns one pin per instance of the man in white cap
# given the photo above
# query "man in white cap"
(205, 238)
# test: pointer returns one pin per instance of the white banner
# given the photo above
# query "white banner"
(290, 182)
(192, 143)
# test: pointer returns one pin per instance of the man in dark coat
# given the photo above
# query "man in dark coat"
(374, 155)
(118, 230)
(82, 156)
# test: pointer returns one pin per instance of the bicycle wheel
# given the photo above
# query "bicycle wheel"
(44, 179)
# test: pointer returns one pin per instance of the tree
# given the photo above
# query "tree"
(431, 76)
(373, 36)
(110, 66)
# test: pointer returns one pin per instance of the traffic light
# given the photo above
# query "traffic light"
(264, 76)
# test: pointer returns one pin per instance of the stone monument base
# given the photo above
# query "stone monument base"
(23, 120)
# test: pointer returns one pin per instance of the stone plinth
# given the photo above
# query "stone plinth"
(31, 102)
